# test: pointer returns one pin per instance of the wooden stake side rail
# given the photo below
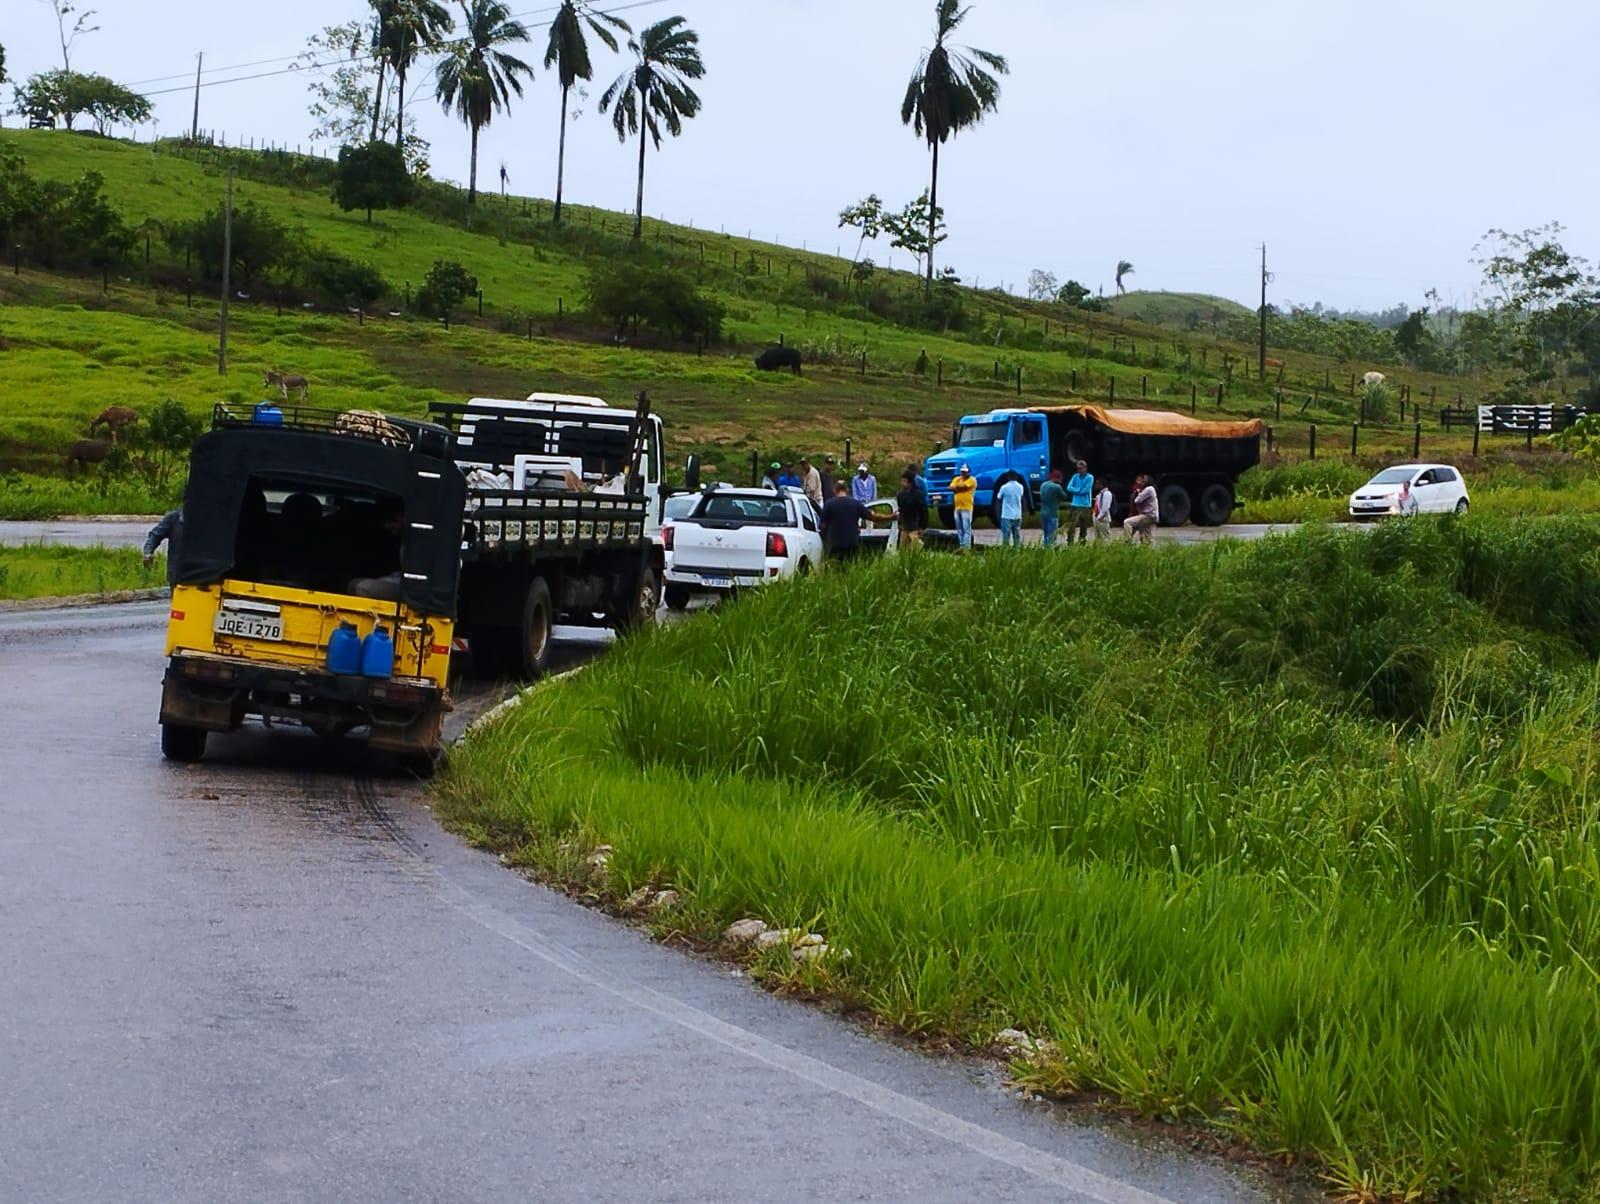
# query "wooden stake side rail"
(506, 523)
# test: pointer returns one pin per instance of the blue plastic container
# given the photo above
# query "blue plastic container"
(377, 654)
(344, 650)
(267, 414)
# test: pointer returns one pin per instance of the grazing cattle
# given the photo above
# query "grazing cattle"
(1370, 379)
(283, 383)
(86, 452)
(775, 359)
(1272, 363)
(114, 418)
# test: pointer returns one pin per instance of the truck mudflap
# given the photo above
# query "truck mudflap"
(214, 693)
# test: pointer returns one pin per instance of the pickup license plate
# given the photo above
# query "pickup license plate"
(248, 625)
(718, 582)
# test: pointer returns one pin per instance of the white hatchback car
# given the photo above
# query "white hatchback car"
(1437, 488)
(736, 538)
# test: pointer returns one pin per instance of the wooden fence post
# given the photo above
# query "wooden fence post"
(1313, 440)
(1475, 432)
(1269, 439)
(939, 378)
(1019, 380)
(1144, 386)
(1219, 395)
(1113, 390)
(1416, 442)
(1355, 429)
(1194, 397)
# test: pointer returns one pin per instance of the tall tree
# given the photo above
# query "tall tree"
(655, 92)
(951, 89)
(412, 27)
(382, 14)
(478, 77)
(568, 53)
(70, 31)
(1124, 268)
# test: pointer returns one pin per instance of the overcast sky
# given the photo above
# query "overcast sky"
(1368, 143)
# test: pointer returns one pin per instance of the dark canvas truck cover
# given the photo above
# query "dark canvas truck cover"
(1156, 441)
(431, 487)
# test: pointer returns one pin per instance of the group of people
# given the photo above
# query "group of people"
(1087, 500)
(817, 481)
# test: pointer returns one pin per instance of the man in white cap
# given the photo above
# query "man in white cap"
(864, 486)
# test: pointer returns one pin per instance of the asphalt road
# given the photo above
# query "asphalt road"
(274, 977)
(124, 534)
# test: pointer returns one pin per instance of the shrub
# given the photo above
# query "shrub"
(261, 243)
(343, 280)
(640, 285)
(446, 286)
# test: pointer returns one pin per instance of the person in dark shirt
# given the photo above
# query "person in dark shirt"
(841, 523)
(913, 504)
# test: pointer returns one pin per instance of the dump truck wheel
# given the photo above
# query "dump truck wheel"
(179, 743)
(1216, 505)
(1175, 505)
(533, 635)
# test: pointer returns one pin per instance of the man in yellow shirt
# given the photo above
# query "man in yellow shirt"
(962, 488)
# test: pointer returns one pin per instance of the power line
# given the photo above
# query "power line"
(294, 58)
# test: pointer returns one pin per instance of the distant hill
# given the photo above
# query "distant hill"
(1178, 311)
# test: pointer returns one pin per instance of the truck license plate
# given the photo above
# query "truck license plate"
(249, 626)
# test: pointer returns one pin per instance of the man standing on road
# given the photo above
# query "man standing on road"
(1080, 492)
(1051, 495)
(864, 486)
(962, 488)
(811, 482)
(1146, 512)
(1102, 512)
(1011, 513)
(913, 505)
(827, 479)
(841, 523)
(1406, 503)
(169, 531)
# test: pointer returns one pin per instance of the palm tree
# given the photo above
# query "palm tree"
(1124, 268)
(412, 26)
(655, 91)
(477, 78)
(382, 14)
(568, 53)
(951, 89)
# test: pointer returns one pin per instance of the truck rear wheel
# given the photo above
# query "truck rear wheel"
(1175, 505)
(646, 597)
(179, 743)
(1216, 505)
(533, 635)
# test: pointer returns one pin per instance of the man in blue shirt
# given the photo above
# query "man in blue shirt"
(864, 486)
(1011, 513)
(1080, 500)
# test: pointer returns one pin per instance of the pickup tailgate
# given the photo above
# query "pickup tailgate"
(724, 545)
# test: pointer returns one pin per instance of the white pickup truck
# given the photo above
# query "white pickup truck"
(735, 538)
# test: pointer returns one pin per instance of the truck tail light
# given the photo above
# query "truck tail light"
(777, 545)
(666, 538)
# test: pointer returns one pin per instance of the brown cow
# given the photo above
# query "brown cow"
(114, 418)
(86, 452)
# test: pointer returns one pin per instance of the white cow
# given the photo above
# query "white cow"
(1370, 379)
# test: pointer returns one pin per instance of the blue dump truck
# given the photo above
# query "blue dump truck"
(1195, 464)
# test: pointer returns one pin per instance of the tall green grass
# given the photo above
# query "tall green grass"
(50, 571)
(1296, 839)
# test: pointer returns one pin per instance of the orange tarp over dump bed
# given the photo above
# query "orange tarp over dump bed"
(1160, 422)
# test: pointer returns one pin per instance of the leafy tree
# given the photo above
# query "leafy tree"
(655, 92)
(261, 243)
(1124, 268)
(1411, 337)
(446, 286)
(341, 279)
(63, 96)
(866, 216)
(2, 64)
(347, 106)
(478, 77)
(951, 90)
(406, 28)
(568, 53)
(371, 177)
(165, 436)
(1072, 293)
(1547, 299)
(642, 286)
(1042, 285)
(918, 228)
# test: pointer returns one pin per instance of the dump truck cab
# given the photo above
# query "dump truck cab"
(317, 580)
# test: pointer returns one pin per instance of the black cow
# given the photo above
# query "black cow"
(775, 359)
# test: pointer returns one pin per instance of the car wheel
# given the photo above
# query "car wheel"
(1461, 506)
(677, 597)
(180, 743)
(802, 569)
(1175, 505)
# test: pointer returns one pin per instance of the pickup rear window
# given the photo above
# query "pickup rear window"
(751, 511)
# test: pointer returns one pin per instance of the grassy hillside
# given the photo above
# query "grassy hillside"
(1198, 312)
(70, 349)
(1296, 839)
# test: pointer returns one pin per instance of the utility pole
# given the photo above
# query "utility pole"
(227, 277)
(194, 128)
(1261, 366)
